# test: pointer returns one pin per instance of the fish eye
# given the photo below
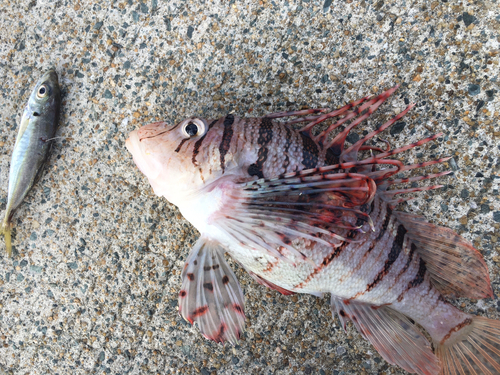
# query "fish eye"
(193, 128)
(42, 91)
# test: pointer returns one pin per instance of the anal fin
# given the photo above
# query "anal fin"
(394, 336)
(211, 294)
(456, 267)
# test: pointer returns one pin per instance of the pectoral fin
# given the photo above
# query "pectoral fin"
(211, 295)
(315, 204)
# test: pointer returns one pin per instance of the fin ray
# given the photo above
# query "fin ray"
(210, 294)
(391, 333)
(456, 267)
(268, 214)
(475, 352)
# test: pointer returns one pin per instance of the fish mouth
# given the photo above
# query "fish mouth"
(50, 76)
(140, 155)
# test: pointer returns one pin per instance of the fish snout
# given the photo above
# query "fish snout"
(152, 130)
(141, 156)
(50, 76)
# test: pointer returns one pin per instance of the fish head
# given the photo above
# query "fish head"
(177, 160)
(46, 95)
(42, 110)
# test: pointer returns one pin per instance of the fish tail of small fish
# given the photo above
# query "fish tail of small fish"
(5, 230)
(473, 348)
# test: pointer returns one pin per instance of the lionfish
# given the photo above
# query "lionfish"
(302, 212)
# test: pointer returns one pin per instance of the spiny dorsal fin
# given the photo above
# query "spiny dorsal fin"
(211, 294)
(393, 335)
(456, 267)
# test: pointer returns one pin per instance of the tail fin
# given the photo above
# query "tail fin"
(5, 230)
(475, 351)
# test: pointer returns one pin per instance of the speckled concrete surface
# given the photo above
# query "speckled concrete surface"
(93, 285)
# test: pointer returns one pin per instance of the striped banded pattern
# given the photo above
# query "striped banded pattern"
(385, 269)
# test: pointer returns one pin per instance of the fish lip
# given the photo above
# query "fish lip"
(50, 76)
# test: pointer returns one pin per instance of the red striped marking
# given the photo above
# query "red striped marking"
(457, 328)
(199, 312)
(326, 261)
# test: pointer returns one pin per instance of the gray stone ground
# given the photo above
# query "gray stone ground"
(93, 285)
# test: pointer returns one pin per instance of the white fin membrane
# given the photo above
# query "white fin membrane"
(211, 295)
(392, 334)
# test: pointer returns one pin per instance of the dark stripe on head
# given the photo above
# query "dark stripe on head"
(396, 248)
(226, 140)
(156, 135)
(265, 137)
(175, 126)
(198, 143)
(180, 144)
(310, 152)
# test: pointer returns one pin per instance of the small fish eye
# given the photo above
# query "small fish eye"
(193, 127)
(42, 91)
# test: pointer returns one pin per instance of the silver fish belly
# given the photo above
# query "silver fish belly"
(36, 129)
(304, 213)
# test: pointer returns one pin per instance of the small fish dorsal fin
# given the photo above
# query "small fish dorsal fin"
(456, 267)
(211, 294)
(394, 336)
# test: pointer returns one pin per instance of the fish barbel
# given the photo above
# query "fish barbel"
(304, 213)
(37, 128)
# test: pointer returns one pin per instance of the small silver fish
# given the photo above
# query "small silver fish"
(37, 128)
(304, 213)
